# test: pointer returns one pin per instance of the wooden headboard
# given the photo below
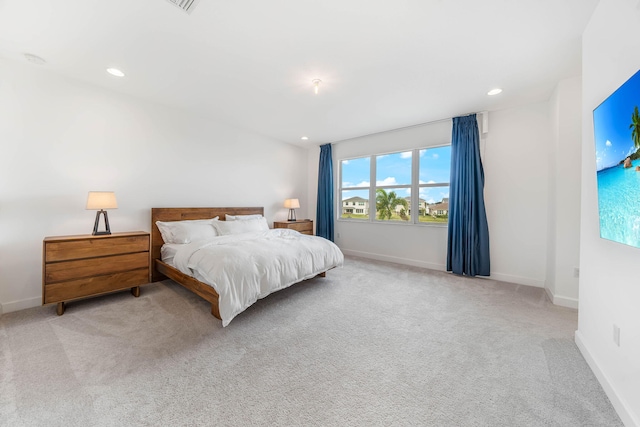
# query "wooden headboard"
(181, 214)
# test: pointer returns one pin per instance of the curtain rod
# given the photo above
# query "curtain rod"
(404, 127)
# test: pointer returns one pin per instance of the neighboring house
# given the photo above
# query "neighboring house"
(438, 209)
(355, 205)
(422, 206)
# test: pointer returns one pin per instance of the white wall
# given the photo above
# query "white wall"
(609, 282)
(424, 246)
(563, 254)
(514, 152)
(61, 138)
(516, 192)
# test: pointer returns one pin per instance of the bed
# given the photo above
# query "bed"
(233, 271)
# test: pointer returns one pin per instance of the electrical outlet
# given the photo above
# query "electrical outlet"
(576, 272)
(616, 335)
(339, 235)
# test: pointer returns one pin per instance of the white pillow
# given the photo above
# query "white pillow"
(241, 217)
(226, 228)
(187, 231)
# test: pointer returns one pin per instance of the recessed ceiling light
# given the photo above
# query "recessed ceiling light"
(115, 72)
(494, 91)
(304, 138)
(35, 59)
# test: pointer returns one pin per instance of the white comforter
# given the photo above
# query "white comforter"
(245, 267)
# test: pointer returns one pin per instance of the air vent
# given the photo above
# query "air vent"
(186, 5)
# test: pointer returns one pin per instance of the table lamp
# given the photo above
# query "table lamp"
(292, 204)
(101, 200)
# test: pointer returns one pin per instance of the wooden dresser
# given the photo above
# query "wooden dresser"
(304, 226)
(76, 267)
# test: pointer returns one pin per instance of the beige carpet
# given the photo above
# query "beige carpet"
(372, 344)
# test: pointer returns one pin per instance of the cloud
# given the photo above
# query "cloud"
(347, 184)
(436, 156)
(387, 181)
(608, 143)
(405, 155)
(345, 162)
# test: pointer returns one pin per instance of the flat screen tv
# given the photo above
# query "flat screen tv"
(616, 125)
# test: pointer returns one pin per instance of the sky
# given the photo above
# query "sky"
(395, 169)
(611, 121)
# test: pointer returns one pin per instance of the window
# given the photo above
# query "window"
(434, 175)
(393, 186)
(396, 176)
(354, 188)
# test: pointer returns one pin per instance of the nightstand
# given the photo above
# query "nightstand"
(304, 226)
(75, 267)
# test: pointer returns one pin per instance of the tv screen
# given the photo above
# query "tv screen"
(617, 138)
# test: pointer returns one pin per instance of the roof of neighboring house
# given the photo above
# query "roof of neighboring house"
(355, 199)
(440, 206)
(408, 199)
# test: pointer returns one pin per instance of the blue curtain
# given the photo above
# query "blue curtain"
(324, 210)
(468, 244)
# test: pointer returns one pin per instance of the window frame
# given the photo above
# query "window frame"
(415, 187)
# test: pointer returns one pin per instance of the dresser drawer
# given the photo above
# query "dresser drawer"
(72, 289)
(302, 227)
(69, 270)
(90, 248)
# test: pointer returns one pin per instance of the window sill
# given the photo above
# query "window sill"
(400, 223)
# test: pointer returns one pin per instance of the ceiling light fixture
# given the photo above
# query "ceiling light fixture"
(35, 59)
(494, 91)
(316, 84)
(304, 138)
(115, 72)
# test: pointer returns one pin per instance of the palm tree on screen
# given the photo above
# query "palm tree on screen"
(386, 203)
(635, 127)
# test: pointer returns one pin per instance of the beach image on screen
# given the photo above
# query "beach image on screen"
(617, 141)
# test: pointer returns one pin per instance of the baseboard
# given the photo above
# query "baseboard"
(442, 267)
(565, 301)
(9, 307)
(549, 293)
(619, 404)
(397, 260)
(562, 301)
(527, 281)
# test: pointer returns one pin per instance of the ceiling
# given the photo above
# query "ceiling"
(384, 64)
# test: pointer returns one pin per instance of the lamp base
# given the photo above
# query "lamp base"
(292, 215)
(106, 224)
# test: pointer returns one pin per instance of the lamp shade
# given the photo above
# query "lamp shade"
(292, 203)
(102, 200)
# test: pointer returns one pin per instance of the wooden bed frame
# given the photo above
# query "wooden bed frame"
(161, 270)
